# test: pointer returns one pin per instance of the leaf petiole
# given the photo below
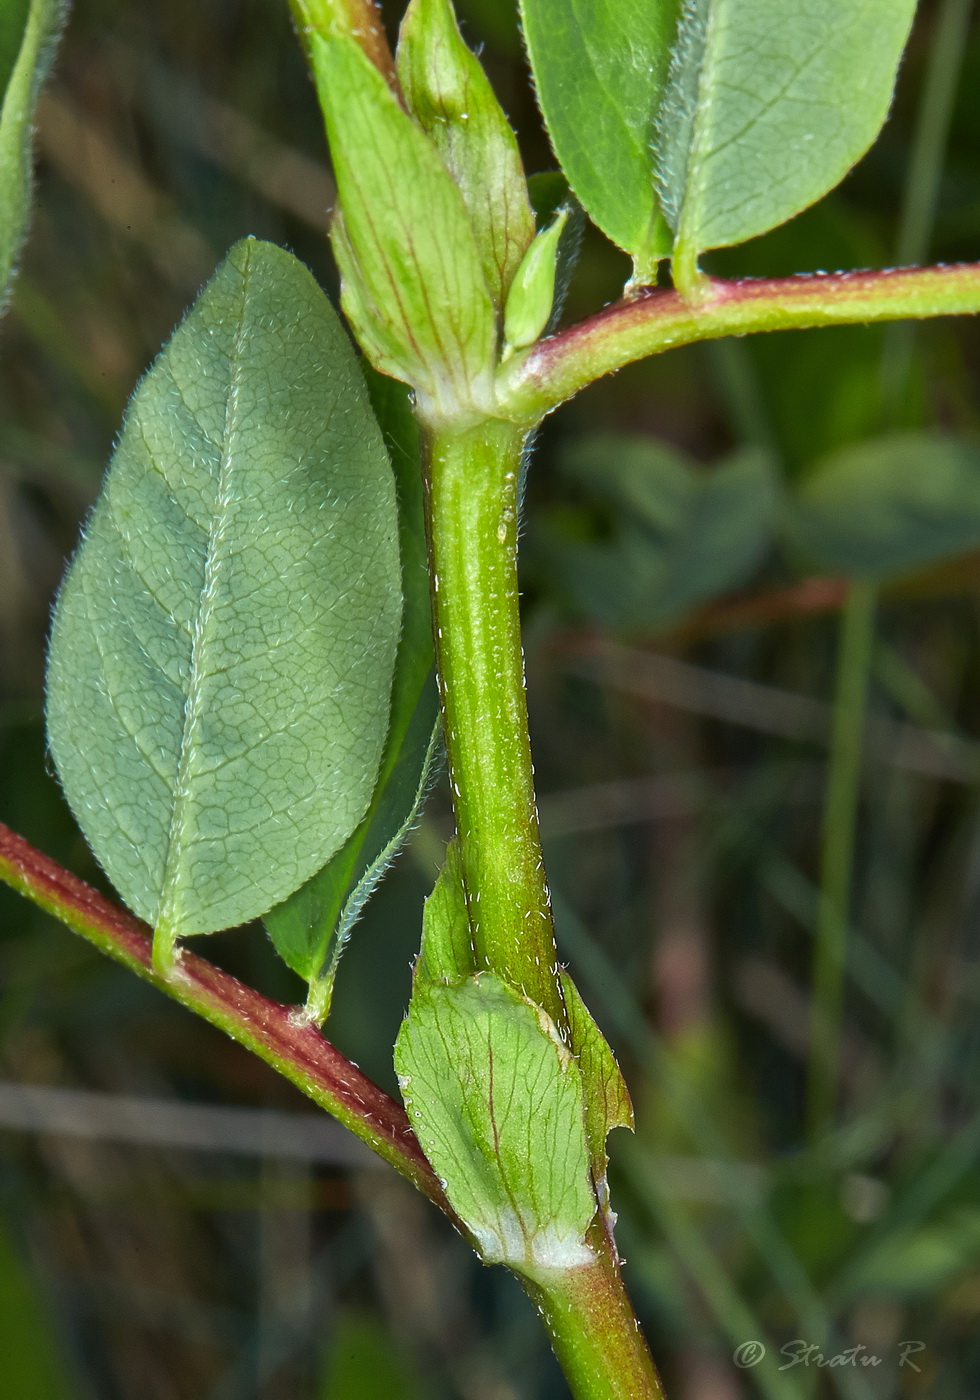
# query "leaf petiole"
(537, 380)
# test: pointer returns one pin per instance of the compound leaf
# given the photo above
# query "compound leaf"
(766, 109)
(222, 652)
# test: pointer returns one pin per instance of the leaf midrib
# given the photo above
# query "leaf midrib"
(193, 705)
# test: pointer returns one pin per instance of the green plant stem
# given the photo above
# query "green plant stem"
(837, 854)
(594, 1333)
(280, 1035)
(536, 381)
(472, 499)
(472, 486)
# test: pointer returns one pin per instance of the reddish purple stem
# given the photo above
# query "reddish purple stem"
(278, 1034)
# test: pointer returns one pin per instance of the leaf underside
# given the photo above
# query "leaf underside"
(766, 110)
(222, 650)
(684, 125)
(310, 928)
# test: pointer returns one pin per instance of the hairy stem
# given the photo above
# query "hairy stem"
(280, 1035)
(533, 383)
(472, 499)
(472, 488)
(594, 1334)
(837, 856)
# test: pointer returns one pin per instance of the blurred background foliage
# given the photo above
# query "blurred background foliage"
(693, 530)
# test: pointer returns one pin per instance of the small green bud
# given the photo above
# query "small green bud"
(450, 97)
(532, 292)
(413, 281)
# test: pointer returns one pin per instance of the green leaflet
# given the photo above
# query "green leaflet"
(599, 70)
(222, 651)
(311, 928)
(27, 38)
(412, 277)
(450, 97)
(496, 1100)
(881, 507)
(766, 109)
(683, 535)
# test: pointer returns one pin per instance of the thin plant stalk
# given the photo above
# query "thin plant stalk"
(537, 380)
(280, 1035)
(594, 1333)
(472, 490)
(472, 483)
(854, 656)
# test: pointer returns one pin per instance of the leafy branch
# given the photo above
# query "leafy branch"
(651, 321)
(280, 1035)
(240, 698)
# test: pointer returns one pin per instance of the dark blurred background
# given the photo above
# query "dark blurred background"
(682, 628)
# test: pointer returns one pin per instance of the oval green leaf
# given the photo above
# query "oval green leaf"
(599, 70)
(766, 108)
(222, 651)
(310, 929)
